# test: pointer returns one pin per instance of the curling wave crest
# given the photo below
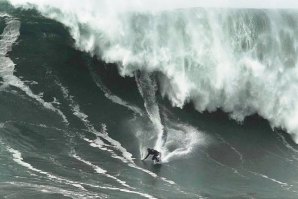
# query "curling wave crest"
(241, 61)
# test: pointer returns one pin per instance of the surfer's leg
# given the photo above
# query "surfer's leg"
(155, 158)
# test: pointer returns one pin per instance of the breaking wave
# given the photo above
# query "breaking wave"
(9, 36)
(241, 61)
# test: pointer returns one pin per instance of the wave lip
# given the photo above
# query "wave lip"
(155, 5)
(241, 61)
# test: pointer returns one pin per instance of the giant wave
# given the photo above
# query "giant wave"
(241, 61)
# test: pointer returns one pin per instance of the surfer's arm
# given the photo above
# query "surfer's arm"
(146, 156)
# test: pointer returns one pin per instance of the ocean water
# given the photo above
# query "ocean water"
(85, 89)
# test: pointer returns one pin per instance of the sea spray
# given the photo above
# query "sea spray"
(241, 61)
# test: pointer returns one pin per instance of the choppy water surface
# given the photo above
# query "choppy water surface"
(82, 98)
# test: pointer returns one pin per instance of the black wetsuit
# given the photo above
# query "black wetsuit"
(154, 153)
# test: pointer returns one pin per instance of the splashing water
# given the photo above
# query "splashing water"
(241, 61)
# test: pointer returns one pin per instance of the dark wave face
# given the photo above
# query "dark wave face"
(81, 99)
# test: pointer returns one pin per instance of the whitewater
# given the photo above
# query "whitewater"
(241, 62)
(87, 86)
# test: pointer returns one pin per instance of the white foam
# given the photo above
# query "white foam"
(282, 184)
(3, 15)
(124, 160)
(120, 101)
(8, 38)
(286, 144)
(184, 138)
(176, 140)
(232, 147)
(99, 144)
(125, 190)
(100, 135)
(96, 168)
(147, 87)
(76, 194)
(17, 157)
(155, 5)
(206, 57)
(114, 98)
(102, 171)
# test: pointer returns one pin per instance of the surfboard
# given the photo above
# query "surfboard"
(157, 162)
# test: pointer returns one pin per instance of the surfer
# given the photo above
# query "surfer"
(156, 154)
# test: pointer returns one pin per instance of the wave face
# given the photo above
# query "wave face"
(72, 127)
(241, 61)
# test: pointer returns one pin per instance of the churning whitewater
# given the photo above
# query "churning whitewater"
(87, 86)
(243, 62)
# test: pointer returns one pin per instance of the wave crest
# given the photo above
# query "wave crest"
(242, 61)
